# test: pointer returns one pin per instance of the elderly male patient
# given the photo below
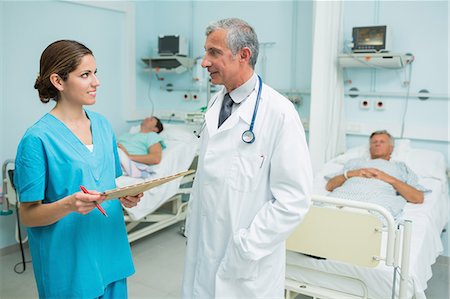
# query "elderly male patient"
(379, 179)
(138, 151)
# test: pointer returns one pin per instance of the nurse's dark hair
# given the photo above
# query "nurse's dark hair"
(60, 57)
(239, 35)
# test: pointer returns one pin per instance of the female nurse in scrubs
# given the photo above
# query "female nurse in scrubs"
(77, 252)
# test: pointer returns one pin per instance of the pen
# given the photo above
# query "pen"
(262, 161)
(99, 207)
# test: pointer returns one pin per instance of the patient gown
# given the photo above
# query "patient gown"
(377, 191)
(79, 255)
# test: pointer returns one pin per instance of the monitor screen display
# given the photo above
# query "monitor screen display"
(168, 45)
(369, 38)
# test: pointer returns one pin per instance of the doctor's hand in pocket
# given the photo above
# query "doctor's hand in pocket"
(236, 266)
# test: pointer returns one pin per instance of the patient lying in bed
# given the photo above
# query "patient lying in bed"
(378, 180)
(140, 150)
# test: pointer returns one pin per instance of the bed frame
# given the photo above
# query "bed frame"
(348, 231)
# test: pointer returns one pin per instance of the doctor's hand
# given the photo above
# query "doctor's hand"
(131, 201)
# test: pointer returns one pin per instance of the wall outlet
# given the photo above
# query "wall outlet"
(186, 97)
(364, 104)
(195, 97)
(379, 105)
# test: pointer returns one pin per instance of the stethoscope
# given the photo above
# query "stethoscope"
(248, 136)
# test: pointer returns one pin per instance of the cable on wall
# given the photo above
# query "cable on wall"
(149, 92)
(408, 89)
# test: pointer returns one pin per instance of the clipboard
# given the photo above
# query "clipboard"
(143, 186)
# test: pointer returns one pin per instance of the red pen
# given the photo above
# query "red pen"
(99, 207)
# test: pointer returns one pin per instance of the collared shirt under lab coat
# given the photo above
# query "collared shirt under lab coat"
(246, 200)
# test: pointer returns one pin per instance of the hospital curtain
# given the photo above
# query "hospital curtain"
(327, 123)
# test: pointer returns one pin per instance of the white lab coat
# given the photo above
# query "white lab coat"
(246, 200)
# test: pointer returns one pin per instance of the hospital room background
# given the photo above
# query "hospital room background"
(410, 100)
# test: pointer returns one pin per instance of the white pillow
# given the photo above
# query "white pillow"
(426, 163)
(135, 129)
(401, 149)
(178, 132)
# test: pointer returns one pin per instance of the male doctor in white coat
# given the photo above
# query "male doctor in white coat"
(247, 197)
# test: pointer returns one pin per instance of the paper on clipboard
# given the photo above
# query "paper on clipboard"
(144, 186)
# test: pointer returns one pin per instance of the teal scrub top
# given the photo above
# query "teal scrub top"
(138, 143)
(79, 255)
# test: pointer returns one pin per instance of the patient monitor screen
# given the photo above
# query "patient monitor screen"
(369, 38)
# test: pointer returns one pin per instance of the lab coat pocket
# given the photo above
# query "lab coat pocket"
(244, 172)
(235, 266)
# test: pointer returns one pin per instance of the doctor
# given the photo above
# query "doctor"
(252, 189)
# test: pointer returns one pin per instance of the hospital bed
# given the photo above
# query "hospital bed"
(160, 207)
(164, 205)
(343, 251)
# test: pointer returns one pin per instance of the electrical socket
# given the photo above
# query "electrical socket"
(194, 97)
(364, 104)
(186, 97)
(379, 105)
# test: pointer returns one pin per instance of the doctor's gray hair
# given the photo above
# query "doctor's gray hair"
(239, 35)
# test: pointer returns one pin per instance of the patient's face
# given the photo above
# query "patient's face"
(149, 124)
(380, 147)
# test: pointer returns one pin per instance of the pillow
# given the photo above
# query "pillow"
(426, 163)
(178, 132)
(401, 149)
(135, 129)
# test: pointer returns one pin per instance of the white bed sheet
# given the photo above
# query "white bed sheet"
(181, 148)
(428, 221)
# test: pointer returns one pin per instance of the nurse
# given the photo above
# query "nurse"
(76, 251)
(254, 177)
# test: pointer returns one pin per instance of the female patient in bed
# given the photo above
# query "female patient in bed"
(139, 150)
(378, 180)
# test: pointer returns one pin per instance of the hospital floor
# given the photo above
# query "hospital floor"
(159, 266)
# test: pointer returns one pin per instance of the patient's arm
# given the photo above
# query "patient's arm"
(153, 157)
(408, 192)
(335, 182)
(339, 180)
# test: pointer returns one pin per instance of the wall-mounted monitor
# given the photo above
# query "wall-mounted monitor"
(369, 39)
(169, 45)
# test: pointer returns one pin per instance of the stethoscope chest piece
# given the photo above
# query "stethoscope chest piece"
(248, 136)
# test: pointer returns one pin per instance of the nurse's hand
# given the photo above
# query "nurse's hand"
(131, 201)
(83, 203)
